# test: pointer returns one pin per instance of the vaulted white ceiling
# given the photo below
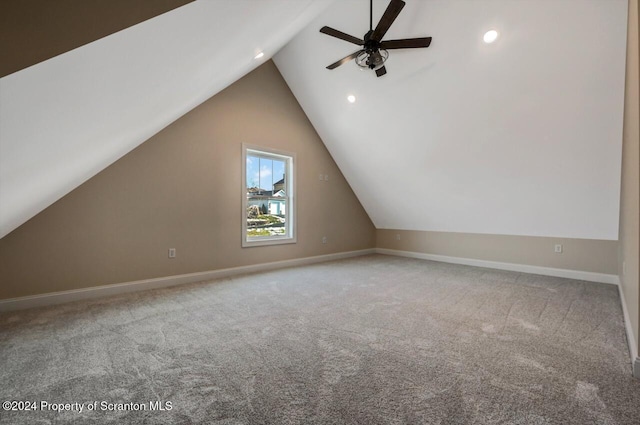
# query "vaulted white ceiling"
(65, 119)
(522, 136)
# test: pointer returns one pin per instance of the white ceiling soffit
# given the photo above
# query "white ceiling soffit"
(520, 137)
(65, 119)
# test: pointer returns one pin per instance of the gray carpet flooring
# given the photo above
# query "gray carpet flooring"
(368, 340)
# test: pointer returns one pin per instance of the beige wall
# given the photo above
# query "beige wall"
(630, 203)
(182, 189)
(589, 255)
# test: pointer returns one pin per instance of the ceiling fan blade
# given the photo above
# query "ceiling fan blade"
(381, 71)
(390, 15)
(345, 59)
(406, 43)
(342, 36)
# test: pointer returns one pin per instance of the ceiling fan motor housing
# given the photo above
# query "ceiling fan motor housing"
(369, 43)
(374, 59)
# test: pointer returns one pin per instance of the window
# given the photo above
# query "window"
(268, 205)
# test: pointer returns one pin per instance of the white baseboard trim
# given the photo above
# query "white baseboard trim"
(61, 297)
(633, 344)
(523, 268)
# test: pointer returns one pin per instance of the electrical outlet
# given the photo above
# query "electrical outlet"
(557, 249)
(321, 177)
(324, 239)
(172, 253)
(397, 236)
(326, 177)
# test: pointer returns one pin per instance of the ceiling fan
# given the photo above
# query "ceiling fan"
(374, 50)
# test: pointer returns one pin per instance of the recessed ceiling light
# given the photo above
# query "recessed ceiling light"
(351, 98)
(259, 55)
(490, 36)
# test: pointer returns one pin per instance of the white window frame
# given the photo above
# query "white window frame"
(290, 189)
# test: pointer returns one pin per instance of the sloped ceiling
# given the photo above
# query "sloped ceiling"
(67, 118)
(522, 136)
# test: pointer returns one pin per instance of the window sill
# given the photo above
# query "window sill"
(267, 241)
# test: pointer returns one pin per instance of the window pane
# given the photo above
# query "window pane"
(267, 197)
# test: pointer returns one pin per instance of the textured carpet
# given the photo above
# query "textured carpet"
(369, 340)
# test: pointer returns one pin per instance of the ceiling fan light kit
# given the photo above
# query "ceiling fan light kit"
(374, 60)
(374, 52)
